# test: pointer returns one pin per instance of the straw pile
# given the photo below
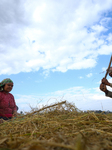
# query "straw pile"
(57, 127)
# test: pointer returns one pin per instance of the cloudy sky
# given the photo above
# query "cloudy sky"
(56, 50)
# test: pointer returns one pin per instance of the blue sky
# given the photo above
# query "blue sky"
(56, 50)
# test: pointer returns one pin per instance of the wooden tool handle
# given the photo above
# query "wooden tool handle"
(108, 67)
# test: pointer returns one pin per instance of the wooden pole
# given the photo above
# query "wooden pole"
(108, 67)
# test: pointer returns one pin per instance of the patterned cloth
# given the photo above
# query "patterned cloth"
(7, 104)
(5, 81)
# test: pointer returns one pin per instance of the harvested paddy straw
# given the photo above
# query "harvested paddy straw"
(59, 126)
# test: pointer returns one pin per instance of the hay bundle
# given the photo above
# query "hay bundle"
(57, 127)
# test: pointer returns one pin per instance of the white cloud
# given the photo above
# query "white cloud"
(84, 99)
(98, 28)
(104, 69)
(37, 15)
(80, 77)
(89, 75)
(67, 34)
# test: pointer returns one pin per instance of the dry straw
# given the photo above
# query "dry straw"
(59, 126)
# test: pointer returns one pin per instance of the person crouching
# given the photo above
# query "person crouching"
(8, 107)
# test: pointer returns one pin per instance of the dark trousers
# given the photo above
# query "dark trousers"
(5, 118)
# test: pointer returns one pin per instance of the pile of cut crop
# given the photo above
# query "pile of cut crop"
(57, 127)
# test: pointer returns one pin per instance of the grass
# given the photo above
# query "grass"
(57, 127)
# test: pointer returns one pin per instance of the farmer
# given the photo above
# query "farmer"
(105, 83)
(8, 107)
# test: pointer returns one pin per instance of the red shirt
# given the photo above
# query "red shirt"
(7, 104)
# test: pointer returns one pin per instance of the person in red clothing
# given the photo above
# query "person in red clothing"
(8, 107)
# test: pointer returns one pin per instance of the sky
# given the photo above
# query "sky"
(56, 50)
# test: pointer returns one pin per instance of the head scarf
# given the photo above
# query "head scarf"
(5, 81)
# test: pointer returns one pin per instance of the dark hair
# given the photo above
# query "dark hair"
(1, 88)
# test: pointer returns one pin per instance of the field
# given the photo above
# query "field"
(57, 127)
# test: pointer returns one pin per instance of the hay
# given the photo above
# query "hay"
(57, 127)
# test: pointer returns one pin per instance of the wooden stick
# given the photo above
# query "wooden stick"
(108, 67)
(63, 102)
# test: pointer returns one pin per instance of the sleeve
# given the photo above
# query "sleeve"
(109, 94)
(0, 96)
(14, 104)
(111, 85)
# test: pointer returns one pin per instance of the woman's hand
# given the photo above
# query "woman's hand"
(1, 121)
(105, 81)
(15, 114)
(103, 87)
